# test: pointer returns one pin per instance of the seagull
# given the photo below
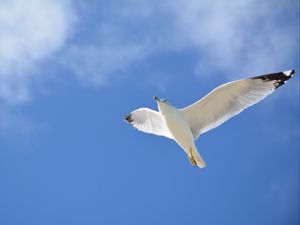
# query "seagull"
(185, 125)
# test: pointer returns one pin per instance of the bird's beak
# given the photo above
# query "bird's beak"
(156, 98)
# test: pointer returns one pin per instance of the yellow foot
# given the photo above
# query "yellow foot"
(191, 159)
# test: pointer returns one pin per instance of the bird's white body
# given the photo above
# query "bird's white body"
(179, 129)
(181, 132)
(185, 125)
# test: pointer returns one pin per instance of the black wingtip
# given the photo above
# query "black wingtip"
(129, 119)
(292, 72)
(278, 79)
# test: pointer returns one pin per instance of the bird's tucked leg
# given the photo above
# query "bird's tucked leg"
(191, 158)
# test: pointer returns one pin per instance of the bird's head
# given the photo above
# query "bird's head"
(163, 105)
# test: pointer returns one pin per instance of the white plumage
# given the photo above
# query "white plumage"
(149, 121)
(187, 124)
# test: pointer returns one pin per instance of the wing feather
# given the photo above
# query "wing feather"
(149, 121)
(230, 99)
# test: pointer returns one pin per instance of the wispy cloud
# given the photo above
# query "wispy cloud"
(98, 63)
(244, 37)
(235, 38)
(30, 32)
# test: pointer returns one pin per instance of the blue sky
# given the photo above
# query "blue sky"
(71, 70)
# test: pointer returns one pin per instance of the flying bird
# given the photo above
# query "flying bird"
(185, 125)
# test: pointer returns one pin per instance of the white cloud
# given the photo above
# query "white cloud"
(96, 64)
(235, 38)
(30, 32)
(111, 44)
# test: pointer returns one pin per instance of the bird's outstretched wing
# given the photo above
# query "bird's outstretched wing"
(230, 99)
(149, 121)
